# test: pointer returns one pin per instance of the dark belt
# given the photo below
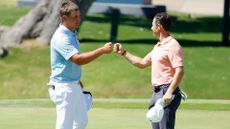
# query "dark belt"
(157, 88)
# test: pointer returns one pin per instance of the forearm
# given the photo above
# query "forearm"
(134, 60)
(87, 57)
(176, 80)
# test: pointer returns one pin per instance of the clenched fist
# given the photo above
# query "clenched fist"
(119, 49)
(107, 48)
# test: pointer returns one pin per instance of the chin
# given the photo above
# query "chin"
(156, 34)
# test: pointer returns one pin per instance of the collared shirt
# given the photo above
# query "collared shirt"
(64, 44)
(165, 57)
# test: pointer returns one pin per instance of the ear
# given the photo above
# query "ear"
(63, 18)
(161, 27)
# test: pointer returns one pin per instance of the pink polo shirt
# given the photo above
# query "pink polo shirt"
(165, 57)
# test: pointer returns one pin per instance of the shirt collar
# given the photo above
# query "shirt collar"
(67, 31)
(166, 40)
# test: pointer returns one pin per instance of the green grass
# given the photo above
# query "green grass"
(9, 14)
(122, 114)
(25, 72)
(8, 3)
(206, 72)
(194, 31)
(195, 104)
(100, 118)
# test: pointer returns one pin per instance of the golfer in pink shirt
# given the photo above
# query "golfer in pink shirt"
(166, 60)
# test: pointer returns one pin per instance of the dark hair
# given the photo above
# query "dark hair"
(164, 20)
(67, 7)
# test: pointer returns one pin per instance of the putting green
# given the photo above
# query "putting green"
(110, 118)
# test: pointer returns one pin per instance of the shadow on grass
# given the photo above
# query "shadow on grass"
(184, 43)
(202, 24)
(180, 23)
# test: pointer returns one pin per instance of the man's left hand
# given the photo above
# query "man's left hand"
(168, 97)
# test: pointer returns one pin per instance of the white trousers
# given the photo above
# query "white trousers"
(70, 105)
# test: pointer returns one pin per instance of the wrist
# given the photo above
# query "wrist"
(169, 91)
(123, 53)
(101, 50)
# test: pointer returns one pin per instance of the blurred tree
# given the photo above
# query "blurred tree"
(40, 23)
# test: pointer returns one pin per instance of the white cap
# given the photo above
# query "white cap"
(156, 113)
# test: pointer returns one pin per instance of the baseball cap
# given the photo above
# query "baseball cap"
(156, 113)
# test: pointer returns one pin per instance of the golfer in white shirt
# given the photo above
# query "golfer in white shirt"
(66, 60)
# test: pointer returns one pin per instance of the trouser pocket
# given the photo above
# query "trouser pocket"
(52, 94)
(57, 95)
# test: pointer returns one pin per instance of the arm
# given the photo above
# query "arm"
(135, 60)
(87, 57)
(179, 73)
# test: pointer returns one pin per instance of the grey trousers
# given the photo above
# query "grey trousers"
(168, 120)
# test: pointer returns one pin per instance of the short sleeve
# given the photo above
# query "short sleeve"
(66, 48)
(176, 56)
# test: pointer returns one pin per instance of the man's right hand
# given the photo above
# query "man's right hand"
(107, 48)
